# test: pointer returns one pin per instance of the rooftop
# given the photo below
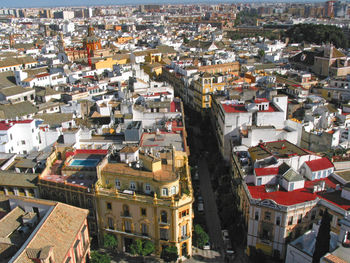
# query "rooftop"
(319, 164)
(278, 149)
(162, 139)
(5, 125)
(164, 175)
(305, 194)
(59, 230)
(237, 108)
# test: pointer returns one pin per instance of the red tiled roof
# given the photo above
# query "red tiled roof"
(260, 100)
(298, 196)
(42, 75)
(319, 164)
(266, 171)
(5, 126)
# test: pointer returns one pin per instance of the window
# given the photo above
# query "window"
(76, 254)
(109, 206)
(256, 215)
(291, 187)
(318, 174)
(117, 184)
(147, 188)
(165, 192)
(144, 230)
(83, 235)
(143, 211)
(126, 210)
(259, 181)
(290, 220)
(32, 130)
(184, 230)
(324, 175)
(89, 203)
(164, 217)
(23, 142)
(313, 176)
(163, 234)
(173, 190)
(127, 226)
(267, 216)
(329, 171)
(10, 136)
(278, 220)
(110, 223)
(132, 186)
(184, 213)
(300, 218)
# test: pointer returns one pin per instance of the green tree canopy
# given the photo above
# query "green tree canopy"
(317, 34)
(199, 236)
(109, 241)
(323, 238)
(169, 254)
(142, 248)
(97, 257)
(261, 53)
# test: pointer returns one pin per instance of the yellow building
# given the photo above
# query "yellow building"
(123, 40)
(206, 85)
(111, 61)
(146, 196)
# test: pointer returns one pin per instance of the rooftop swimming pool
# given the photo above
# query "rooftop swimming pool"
(85, 162)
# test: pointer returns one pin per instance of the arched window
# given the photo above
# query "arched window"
(164, 217)
(173, 190)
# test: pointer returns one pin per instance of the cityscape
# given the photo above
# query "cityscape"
(174, 132)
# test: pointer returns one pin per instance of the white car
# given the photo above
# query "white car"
(200, 207)
(206, 246)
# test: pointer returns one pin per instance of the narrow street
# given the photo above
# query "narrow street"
(210, 209)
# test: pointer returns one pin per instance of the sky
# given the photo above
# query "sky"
(50, 3)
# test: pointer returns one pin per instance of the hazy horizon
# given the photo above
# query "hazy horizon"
(70, 3)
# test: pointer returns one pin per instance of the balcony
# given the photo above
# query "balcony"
(125, 214)
(183, 238)
(128, 233)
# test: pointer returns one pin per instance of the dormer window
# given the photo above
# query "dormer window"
(147, 188)
(117, 183)
(132, 186)
(165, 192)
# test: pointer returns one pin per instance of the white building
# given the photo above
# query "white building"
(19, 136)
(232, 117)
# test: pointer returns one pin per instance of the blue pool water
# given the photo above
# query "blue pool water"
(86, 162)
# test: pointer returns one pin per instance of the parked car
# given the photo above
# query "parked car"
(196, 176)
(206, 246)
(200, 207)
(225, 235)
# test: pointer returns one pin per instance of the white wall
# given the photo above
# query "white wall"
(296, 256)
(266, 179)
